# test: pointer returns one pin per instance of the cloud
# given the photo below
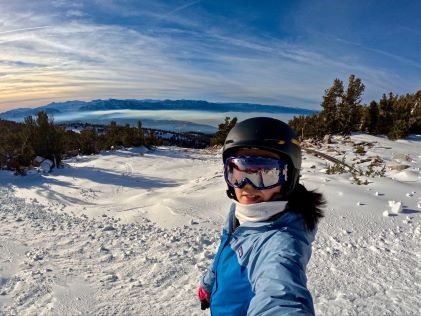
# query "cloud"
(74, 13)
(20, 64)
(81, 55)
(180, 8)
(23, 30)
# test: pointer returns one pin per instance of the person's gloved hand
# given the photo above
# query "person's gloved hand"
(204, 298)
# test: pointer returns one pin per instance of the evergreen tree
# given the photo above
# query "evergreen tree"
(298, 124)
(330, 105)
(128, 136)
(139, 137)
(415, 119)
(152, 140)
(112, 137)
(71, 143)
(386, 108)
(88, 141)
(10, 145)
(349, 118)
(341, 111)
(373, 118)
(401, 118)
(27, 136)
(307, 126)
(48, 139)
(223, 130)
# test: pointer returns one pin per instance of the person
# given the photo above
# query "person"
(260, 266)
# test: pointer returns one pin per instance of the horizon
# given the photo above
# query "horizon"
(156, 100)
(189, 117)
(272, 53)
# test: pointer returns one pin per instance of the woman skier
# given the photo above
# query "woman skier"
(260, 266)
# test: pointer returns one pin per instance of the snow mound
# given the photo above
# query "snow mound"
(406, 176)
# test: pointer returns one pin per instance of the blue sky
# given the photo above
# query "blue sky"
(271, 52)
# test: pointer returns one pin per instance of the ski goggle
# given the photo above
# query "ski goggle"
(262, 173)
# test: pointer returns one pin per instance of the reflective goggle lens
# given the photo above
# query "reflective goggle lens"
(260, 172)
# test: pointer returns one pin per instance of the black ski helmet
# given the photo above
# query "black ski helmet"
(268, 134)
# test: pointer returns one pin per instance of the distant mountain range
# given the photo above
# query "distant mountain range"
(104, 111)
(184, 105)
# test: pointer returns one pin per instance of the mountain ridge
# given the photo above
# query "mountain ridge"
(148, 104)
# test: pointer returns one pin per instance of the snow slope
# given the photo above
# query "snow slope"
(130, 232)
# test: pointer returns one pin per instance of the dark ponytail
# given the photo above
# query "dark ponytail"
(308, 204)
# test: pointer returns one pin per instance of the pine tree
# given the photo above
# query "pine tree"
(112, 137)
(139, 137)
(223, 130)
(127, 136)
(349, 117)
(11, 145)
(307, 126)
(330, 105)
(88, 141)
(373, 118)
(415, 118)
(48, 139)
(27, 135)
(401, 117)
(386, 109)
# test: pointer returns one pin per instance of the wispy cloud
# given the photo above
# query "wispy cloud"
(180, 8)
(377, 51)
(17, 63)
(76, 54)
(24, 29)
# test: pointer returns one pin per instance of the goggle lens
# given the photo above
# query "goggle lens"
(260, 172)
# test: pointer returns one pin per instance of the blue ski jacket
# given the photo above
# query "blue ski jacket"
(260, 268)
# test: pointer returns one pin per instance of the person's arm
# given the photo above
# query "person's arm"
(205, 288)
(279, 280)
(207, 280)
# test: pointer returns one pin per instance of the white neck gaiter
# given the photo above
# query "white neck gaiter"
(258, 212)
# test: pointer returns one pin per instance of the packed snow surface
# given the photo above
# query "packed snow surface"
(130, 231)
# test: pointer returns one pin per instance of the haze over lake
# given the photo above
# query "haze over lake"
(172, 115)
(177, 120)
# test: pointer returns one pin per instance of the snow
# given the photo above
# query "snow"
(130, 232)
(395, 207)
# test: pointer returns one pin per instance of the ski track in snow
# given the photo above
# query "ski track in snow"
(123, 234)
